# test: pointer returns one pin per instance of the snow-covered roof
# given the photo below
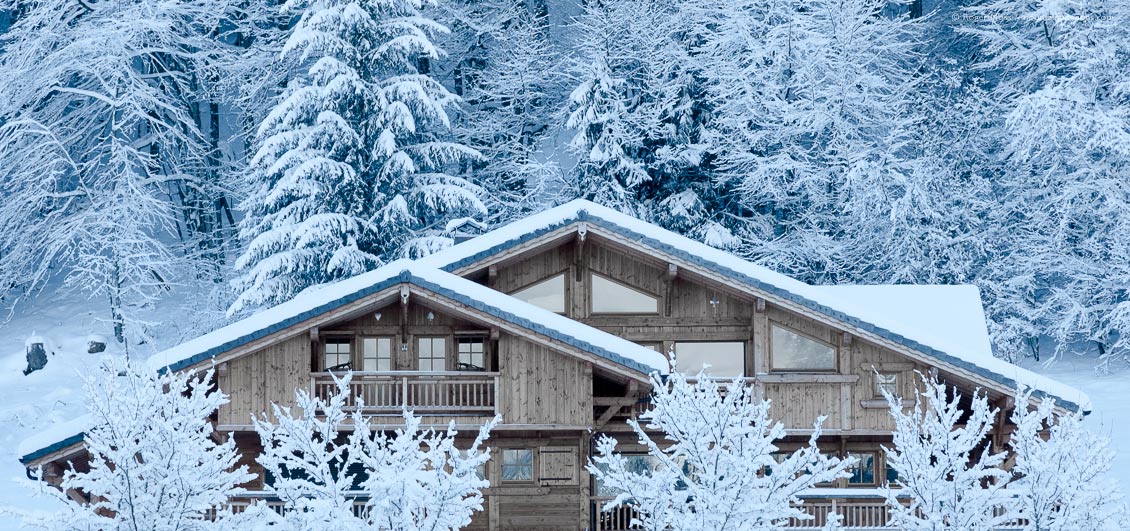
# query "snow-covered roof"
(958, 339)
(319, 300)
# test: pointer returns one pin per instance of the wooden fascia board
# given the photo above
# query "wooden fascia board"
(519, 252)
(340, 313)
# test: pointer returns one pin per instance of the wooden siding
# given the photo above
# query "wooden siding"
(267, 376)
(540, 386)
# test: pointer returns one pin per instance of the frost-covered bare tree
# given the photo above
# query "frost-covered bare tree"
(321, 458)
(1062, 470)
(507, 71)
(946, 464)
(352, 166)
(811, 113)
(106, 182)
(716, 465)
(154, 463)
(1062, 132)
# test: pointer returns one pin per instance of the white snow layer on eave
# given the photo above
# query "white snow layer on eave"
(56, 433)
(979, 352)
(949, 318)
(303, 302)
(543, 317)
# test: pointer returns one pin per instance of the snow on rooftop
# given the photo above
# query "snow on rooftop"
(312, 299)
(305, 301)
(55, 434)
(963, 336)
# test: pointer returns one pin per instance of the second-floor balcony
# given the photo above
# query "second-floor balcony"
(448, 393)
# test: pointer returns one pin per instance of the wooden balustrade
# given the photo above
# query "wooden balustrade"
(863, 514)
(387, 393)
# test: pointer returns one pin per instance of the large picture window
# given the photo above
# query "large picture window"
(609, 296)
(863, 471)
(726, 359)
(376, 354)
(791, 351)
(431, 353)
(337, 354)
(548, 294)
(642, 464)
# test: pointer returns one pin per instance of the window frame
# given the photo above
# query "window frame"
(337, 339)
(469, 339)
(745, 355)
(565, 298)
(875, 468)
(625, 285)
(445, 356)
(773, 369)
(533, 465)
(377, 359)
(879, 385)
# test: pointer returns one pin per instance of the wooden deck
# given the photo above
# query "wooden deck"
(389, 393)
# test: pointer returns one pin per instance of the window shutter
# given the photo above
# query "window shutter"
(557, 465)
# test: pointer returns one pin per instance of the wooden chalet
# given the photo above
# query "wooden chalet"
(556, 321)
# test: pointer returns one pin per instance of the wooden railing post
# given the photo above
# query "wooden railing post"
(404, 392)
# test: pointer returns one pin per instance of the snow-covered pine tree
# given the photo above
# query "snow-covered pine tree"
(945, 462)
(716, 467)
(1063, 124)
(106, 180)
(637, 114)
(321, 459)
(1062, 471)
(352, 167)
(154, 465)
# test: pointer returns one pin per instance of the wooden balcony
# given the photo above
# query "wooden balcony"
(448, 393)
(857, 513)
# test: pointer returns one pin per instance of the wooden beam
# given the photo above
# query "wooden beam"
(760, 305)
(672, 272)
(845, 339)
(492, 276)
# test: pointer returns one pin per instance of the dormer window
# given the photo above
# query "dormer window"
(609, 296)
(793, 351)
(548, 294)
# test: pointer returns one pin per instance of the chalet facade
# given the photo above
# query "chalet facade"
(556, 321)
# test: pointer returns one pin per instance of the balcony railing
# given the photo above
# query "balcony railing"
(868, 514)
(441, 393)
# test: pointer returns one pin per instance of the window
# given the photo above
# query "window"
(548, 294)
(642, 464)
(431, 353)
(791, 351)
(891, 474)
(471, 354)
(337, 354)
(481, 470)
(609, 296)
(726, 358)
(863, 471)
(376, 354)
(518, 465)
(886, 382)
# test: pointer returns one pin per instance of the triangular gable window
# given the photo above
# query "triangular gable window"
(609, 296)
(548, 294)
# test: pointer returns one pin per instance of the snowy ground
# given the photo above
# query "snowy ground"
(31, 403)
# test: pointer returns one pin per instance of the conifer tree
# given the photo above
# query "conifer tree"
(352, 166)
